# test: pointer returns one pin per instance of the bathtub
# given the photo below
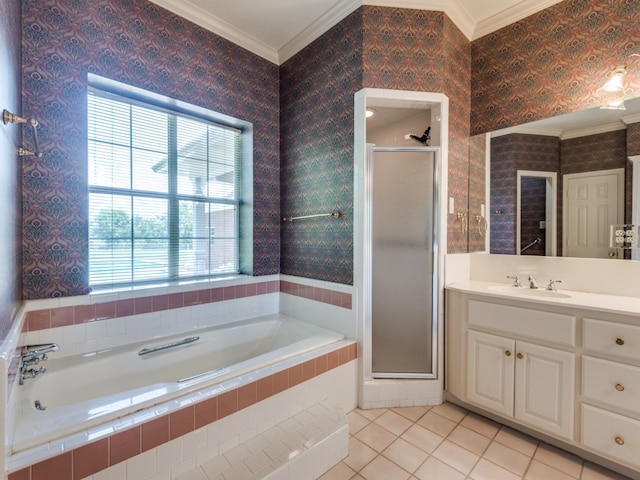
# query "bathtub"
(84, 391)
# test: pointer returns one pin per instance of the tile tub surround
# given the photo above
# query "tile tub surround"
(83, 461)
(77, 314)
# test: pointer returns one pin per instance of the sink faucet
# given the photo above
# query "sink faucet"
(516, 280)
(33, 355)
(552, 285)
(532, 282)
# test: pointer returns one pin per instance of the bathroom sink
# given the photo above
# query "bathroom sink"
(528, 292)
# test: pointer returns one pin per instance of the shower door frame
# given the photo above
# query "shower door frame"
(368, 262)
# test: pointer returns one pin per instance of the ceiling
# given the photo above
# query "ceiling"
(278, 29)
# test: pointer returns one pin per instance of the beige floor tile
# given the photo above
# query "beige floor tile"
(456, 456)
(507, 458)
(383, 469)
(356, 422)
(376, 437)
(517, 440)
(412, 413)
(434, 469)
(422, 438)
(341, 471)
(472, 441)
(540, 471)
(359, 454)
(450, 411)
(437, 423)
(482, 425)
(559, 459)
(486, 470)
(596, 472)
(371, 413)
(405, 455)
(393, 422)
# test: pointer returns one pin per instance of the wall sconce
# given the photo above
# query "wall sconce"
(612, 92)
(8, 117)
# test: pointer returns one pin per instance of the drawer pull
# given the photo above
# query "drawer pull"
(619, 387)
(620, 440)
(619, 341)
(507, 353)
(520, 356)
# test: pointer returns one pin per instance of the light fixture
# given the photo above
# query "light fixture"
(370, 112)
(612, 92)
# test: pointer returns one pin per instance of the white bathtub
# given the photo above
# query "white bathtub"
(84, 391)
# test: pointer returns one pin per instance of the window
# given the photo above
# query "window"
(164, 190)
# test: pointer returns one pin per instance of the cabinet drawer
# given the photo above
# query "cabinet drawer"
(612, 383)
(554, 327)
(612, 338)
(611, 434)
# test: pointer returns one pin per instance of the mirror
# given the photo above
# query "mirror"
(590, 144)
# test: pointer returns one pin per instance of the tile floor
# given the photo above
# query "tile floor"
(447, 442)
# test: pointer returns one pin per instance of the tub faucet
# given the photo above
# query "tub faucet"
(532, 282)
(33, 355)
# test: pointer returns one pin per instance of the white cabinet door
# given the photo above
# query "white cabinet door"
(490, 371)
(545, 388)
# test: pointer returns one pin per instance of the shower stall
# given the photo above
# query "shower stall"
(401, 256)
(400, 235)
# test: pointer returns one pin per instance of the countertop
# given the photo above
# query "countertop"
(617, 304)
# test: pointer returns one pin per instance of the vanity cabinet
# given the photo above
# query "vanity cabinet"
(531, 383)
(569, 372)
(611, 389)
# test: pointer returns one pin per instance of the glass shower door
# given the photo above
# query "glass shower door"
(402, 254)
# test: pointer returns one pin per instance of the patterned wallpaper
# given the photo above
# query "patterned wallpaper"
(141, 44)
(551, 62)
(510, 153)
(477, 195)
(10, 291)
(424, 51)
(316, 91)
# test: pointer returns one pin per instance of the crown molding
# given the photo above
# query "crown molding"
(214, 24)
(629, 119)
(561, 133)
(328, 20)
(452, 8)
(584, 132)
(509, 16)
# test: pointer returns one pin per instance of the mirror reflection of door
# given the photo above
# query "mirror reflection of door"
(533, 212)
(593, 202)
(536, 220)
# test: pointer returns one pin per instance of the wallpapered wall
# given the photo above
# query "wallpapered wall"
(140, 44)
(316, 91)
(551, 62)
(543, 153)
(10, 138)
(510, 153)
(375, 47)
(424, 51)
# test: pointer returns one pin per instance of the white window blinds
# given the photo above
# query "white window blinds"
(163, 193)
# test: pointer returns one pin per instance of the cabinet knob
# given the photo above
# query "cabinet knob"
(619, 387)
(507, 353)
(620, 440)
(520, 356)
(619, 341)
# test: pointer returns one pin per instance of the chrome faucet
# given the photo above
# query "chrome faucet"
(532, 282)
(33, 355)
(552, 285)
(516, 280)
